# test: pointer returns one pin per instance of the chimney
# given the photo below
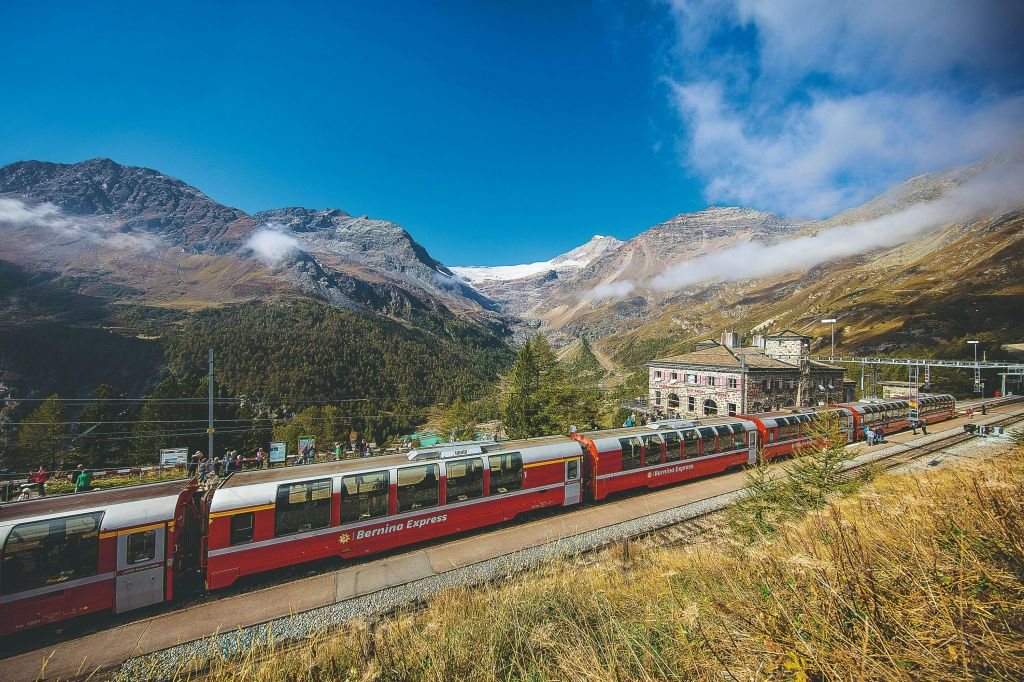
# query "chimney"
(758, 341)
(730, 339)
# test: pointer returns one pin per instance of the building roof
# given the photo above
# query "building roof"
(786, 333)
(719, 356)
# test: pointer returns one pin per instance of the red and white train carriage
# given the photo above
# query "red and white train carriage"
(263, 520)
(117, 549)
(664, 452)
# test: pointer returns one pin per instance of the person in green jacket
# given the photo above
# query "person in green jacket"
(83, 481)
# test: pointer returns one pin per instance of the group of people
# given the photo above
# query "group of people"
(36, 486)
(221, 466)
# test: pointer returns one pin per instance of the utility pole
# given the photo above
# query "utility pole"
(832, 321)
(209, 428)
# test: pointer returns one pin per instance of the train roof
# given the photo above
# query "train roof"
(74, 502)
(345, 466)
(663, 427)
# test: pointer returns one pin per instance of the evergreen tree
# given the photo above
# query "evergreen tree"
(458, 421)
(42, 438)
(105, 443)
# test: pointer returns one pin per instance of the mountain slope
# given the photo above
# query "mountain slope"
(131, 253)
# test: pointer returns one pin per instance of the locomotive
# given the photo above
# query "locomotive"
(126, 548)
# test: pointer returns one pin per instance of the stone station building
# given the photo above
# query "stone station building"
(727, 378)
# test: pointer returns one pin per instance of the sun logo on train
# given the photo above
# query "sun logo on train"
(344, 538)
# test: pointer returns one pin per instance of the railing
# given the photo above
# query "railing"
(930, 362)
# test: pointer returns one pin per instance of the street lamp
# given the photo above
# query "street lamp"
(977, 370)
(832, 321)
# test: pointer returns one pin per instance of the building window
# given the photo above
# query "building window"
(673, 400)
(692, 378)
(675, 375)
(657, 375)
(657, 397)
(710, 408)
(689, 403)
(732, 409)
(710, 380)
(418, 488)
(302, 506)
(242, 526)
(731, 382)
(365, 496)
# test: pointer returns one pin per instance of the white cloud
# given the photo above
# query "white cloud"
(806, 108)
(271, 246)
(998, 188)
(609, 290)
(73, 229)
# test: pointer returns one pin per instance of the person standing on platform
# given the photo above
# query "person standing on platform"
(83, 481)
(924, 426)
(869, 435)
(39, 478)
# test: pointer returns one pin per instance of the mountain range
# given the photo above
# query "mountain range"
(133, 254)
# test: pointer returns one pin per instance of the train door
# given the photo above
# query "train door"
(752, 447)
(572, 482)
(140, 568)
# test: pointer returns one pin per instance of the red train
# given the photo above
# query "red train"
(127, 548)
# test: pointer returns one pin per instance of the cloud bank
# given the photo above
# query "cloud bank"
(806, 108)
(72, 229)
(271, 246)
(996, 189)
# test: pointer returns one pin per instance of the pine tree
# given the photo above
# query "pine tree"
(42, 437)
(106, 443)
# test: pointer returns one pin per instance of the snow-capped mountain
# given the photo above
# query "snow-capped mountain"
(567, 262)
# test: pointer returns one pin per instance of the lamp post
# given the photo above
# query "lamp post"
(977, 370)
(832, 321)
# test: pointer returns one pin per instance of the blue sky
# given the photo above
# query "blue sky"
(509, 132)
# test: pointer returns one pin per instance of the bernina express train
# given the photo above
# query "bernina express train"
(126, 548)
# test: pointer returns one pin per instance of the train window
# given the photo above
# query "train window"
(418, 487)
(242, 527)
(771, 435)
(673, 446)
(724, 438)
(141, 547)
(506, 472)
(365, 496)
(42, 553)
(465, 480)
(652, 450)
(739, 436)
(708, 444)
(691, 444)
(632, 448)
(302, 506)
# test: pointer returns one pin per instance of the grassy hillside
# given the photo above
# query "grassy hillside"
(917, 577)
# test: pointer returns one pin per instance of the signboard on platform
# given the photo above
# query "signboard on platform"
(278, 452)
(173, 456)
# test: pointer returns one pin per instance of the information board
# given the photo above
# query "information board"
(173, 456)
(278, 452)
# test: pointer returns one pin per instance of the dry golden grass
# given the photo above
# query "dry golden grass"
(913, 578)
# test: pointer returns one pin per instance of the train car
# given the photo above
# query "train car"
(894, 415)
(269, 519)
(118, 549)
(664, 452)
(784, 433)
